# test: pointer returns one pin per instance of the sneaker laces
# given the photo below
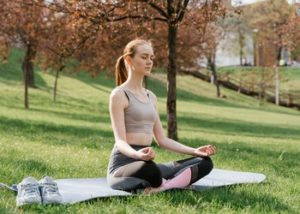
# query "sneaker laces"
(50, 188)
(29, 189)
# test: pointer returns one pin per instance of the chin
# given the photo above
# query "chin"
(147, 73)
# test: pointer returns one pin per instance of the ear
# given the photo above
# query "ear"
(128, 59)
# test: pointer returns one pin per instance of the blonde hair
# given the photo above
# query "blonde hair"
(121, 73)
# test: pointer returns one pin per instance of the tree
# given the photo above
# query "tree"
(70, 30)
(213, 38)
(236, 24)
(22, 23)
(271, 20)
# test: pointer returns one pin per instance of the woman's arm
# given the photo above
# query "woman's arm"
(173, 145)
(117, 103)
(168, 143)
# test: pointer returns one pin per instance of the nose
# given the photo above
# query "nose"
(149, 62)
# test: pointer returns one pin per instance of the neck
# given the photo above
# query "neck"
(134, 81)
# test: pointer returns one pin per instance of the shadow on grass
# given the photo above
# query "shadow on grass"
(10, 75)
(94, 118)
(97, 112)
(11, 71)
(76, 104)
(56, 134)
(237, 127)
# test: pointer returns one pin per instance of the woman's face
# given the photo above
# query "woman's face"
(142, 61)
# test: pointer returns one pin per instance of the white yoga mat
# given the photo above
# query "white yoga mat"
(221, 177)
(77, 190)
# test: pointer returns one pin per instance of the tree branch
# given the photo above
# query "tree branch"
(159, 10)
(182, 10)
(178, 6)
(136, 17)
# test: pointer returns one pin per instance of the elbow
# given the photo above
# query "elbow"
(161, 141)
(118, 144)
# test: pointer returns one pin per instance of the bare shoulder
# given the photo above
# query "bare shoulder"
(118, 96)
(116, 92)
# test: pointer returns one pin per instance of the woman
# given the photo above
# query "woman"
(135, 121)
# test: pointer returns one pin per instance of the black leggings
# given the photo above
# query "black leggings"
(141, 174)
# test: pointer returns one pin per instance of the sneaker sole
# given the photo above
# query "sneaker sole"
(22, 203)
(58, 201)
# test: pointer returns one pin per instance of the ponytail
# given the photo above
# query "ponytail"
(120, 71)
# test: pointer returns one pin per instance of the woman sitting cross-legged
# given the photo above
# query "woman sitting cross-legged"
(135, 121)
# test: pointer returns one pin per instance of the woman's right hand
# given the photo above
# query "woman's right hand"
(145, 154)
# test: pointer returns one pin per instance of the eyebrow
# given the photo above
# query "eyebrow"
(147, 54)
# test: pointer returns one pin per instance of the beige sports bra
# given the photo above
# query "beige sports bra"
(139, 116)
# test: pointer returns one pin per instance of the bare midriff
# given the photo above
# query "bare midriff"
(141, 139)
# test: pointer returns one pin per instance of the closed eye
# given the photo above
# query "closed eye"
(145, 56)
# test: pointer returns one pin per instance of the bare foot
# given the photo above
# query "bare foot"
(151, 190)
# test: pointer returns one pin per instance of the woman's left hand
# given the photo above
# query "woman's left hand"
(205, 151)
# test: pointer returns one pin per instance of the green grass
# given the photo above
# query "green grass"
(73, 139)
(289, 77)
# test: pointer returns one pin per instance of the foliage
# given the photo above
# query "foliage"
(276, 26)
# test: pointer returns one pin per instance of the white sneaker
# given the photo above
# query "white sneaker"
(49, 191)
(28, 192)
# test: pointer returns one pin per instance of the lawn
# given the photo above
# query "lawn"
(72, 138)
(289, 77)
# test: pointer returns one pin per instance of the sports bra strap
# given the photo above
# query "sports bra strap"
(126, 94)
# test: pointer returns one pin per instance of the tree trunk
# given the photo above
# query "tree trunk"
(212, 65)
(26, 101)
(262, 85)
(277, 85)
(28, 65)
(55, 82)
(27, 68)
(277, 81)
(241, 43)
(171, 99)
(255, 48)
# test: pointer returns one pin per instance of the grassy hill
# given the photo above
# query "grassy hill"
(72, 138)
(289, 77)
